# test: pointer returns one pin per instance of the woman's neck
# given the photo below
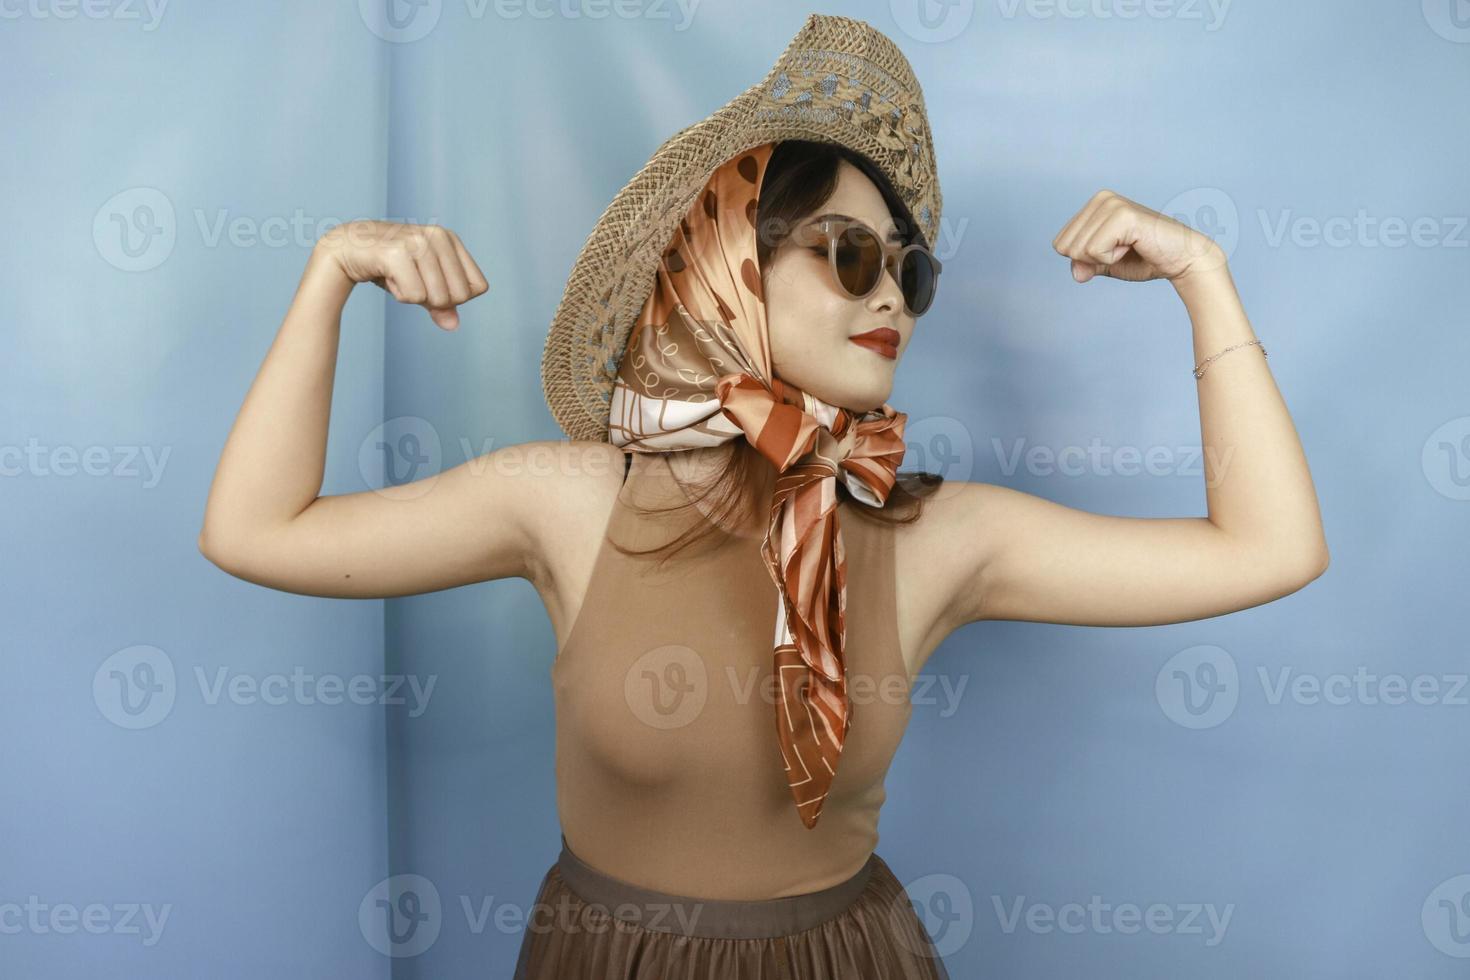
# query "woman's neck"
(675, 478)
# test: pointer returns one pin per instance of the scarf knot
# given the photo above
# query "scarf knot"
(794, 431)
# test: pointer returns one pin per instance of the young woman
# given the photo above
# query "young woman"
(738, 547)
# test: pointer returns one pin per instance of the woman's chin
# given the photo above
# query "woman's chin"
(865, 398)
(861, 382)
(870, 381)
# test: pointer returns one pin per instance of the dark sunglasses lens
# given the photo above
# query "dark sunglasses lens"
(918, 281)
(859, 261)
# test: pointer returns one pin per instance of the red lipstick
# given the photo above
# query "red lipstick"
(883, 340)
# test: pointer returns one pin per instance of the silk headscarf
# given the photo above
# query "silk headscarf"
(697, 373)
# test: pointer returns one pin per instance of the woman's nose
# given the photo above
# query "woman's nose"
(889, 294)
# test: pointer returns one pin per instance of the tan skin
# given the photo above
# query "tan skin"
(537, 510)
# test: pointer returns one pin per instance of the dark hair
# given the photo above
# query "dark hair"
(800, 177)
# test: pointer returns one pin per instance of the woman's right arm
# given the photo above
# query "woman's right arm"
(265, 521)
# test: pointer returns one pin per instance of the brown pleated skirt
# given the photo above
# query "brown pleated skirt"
(587, 925)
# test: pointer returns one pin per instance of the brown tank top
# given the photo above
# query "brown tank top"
(668, 771)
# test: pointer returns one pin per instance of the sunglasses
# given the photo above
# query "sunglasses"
(859, 257)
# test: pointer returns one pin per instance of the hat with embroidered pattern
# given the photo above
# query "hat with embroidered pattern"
(839, 81)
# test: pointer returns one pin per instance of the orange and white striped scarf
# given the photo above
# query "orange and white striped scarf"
(697, 373)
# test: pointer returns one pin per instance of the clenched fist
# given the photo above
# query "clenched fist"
(426, 265)
(1113, 236)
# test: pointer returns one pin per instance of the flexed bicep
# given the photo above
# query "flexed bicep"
(1016, 556)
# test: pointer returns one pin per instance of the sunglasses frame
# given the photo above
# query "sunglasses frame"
(893, 257)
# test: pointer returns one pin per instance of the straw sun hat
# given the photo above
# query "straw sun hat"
(838, 81)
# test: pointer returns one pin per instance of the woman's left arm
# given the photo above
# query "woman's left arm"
(1035, 560)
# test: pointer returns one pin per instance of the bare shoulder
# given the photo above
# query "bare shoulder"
(573, 486)
(957, 507)
(940, 558)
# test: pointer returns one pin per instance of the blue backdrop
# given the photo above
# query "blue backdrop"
(205, 776)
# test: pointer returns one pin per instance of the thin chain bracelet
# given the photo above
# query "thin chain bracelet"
(1199, 369)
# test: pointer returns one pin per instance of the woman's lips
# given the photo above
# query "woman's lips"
(887, 350)
(880, 341)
